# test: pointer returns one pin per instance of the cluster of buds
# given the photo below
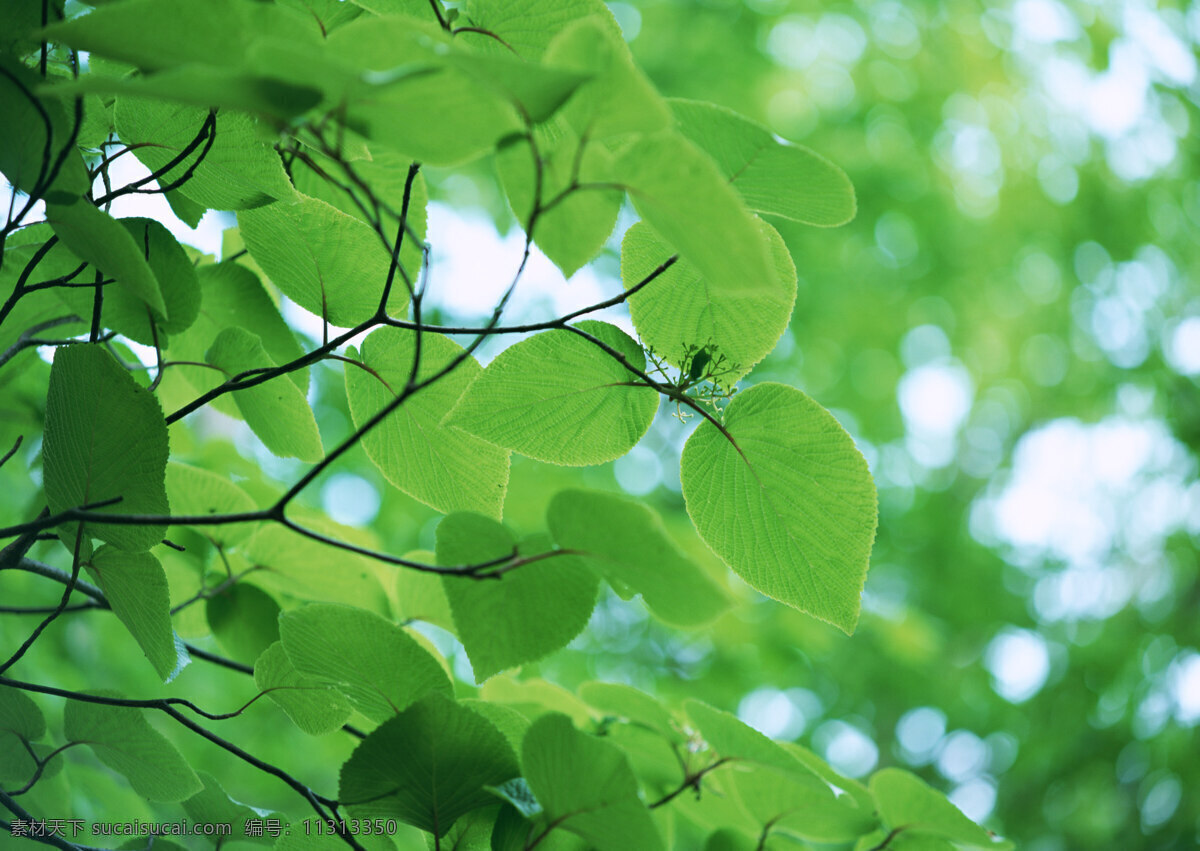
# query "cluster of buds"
(702, 375)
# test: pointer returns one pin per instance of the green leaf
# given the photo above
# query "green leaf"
(136, 587)
(111, 248)
(535, 697)
(239, 171)
(680, 308)
(19, 22)
(244, 619)
(822, 769)
(211, 805)
(786, 500)
(233, 297)
(427, 766)
(21, 721)
(586, 786)
(188, 211)
(773, 177)
(376, 664)
(296, 566)
(527, 26)
(420, 595)
(538, 91)
(123, 739)
(105, 439)
(416, 8)
(196, 491)
(728, 839)
(386, 172)
(412, 60)
(275, 410)
(160, 33)
(559, 398)
(633, 705)
(574, 230)
(205, 87)
(800, 805)
(313, 707)
(618, 99)
(327, 15)
(442, 466)
(175, 278)
(905, 800)
(23, 159)
(680, 192)
(471, 832)
(20, 716)
(329, 263)
(526, 614)
(506, 719)
(904, 841)
(38, 306)
(624, 540)
(732, 739)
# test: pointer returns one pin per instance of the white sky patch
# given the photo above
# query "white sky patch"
(1162, 48)
(350, 499)
(472, 266)
(976, 798)
(1182, 346)
(1122, 101)
(934, 399)
(919, 732)
(1044, 21)
(1183, 681)
(1079, 495)
(1019, 662)
(779, 714)
(1116, 98)
(846, 748)
(206, 236)
(962, 756)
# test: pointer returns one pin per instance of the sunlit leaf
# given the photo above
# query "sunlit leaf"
(786, 499)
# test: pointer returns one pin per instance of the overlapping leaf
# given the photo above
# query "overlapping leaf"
(626, 543)
(773, 177)
(329, 263)
(427, 766)
(586, 786)
(238, 171)
(275, 410)
(314, 706)
(681, 309)
(431, 460)
(123, 739)
(102, 241)
(906, 801)
(681, 193)
(560, 398)
(105, 439)
(136, 588)
(492, 618)
(575, 228)
(379, 667)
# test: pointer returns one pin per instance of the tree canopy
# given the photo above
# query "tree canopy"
(542, 424)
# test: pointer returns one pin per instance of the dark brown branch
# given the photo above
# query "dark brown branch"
(691, 781)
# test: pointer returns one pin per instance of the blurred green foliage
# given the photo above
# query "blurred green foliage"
(1008, 326)
(1011, 330)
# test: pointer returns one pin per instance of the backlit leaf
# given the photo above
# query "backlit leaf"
(786, 500)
